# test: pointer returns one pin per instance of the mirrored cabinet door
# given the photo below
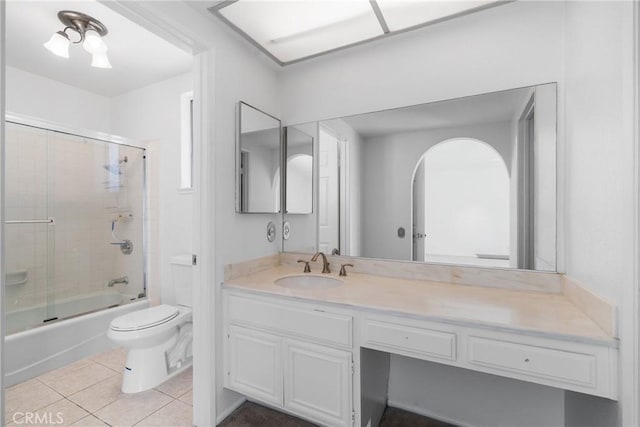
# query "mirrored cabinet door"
(258, 156)
(299, 171)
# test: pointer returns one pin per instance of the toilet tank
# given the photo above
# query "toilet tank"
(182, 279)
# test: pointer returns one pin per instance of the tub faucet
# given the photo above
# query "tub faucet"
(325, 264)
(123, 279)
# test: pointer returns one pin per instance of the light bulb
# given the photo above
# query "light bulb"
(58, 44)
(93, 43)
(100, 60)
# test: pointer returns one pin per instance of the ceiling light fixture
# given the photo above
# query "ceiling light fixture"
(91, 32)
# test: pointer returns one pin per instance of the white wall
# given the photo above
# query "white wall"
(506, 47)
(388, 164)
(240, 74)
(514, 45)
(599, 177)
(35, 96)
(464, 397)
(152, 114)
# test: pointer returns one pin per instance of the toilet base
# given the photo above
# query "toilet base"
(149, 367)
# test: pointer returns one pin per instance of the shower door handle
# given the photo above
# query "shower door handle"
(31, 221)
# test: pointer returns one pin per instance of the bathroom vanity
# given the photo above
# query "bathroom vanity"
(321, 351)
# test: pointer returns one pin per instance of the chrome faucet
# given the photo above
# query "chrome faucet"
(325, 264)
(123, 279)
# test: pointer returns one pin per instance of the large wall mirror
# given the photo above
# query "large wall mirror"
(468, 181)
(257, 161)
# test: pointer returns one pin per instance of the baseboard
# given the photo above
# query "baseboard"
(224, 414)
(426, 413)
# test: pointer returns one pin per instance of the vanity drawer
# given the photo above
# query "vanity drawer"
(410, 340)
(309, 323)
(532, 361)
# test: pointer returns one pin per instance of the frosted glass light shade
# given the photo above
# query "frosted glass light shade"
(100, 60)
(401, 14)
(93, 43)
(58, 44)
(291, 30)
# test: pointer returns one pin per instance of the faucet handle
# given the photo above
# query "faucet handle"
(307, 268)
(343, 271)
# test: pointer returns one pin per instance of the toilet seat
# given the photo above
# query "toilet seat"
(145, 319)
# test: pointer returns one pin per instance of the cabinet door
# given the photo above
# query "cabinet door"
(254, 364)
(318, 383)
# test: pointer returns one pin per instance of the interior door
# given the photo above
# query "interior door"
(329, 206)
(418, 234)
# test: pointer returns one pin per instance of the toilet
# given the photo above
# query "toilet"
(158, 339)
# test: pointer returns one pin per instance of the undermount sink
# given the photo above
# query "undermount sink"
(308, 281)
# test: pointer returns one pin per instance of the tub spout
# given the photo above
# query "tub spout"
(123, 279)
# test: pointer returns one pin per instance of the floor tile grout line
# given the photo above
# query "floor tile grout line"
(51, 403)
(168, 403)
(82, 389)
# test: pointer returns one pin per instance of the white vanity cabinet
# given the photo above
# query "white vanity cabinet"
(254, 364)
(318, 382)
(307, 358)
(570, 365)
(290, 356)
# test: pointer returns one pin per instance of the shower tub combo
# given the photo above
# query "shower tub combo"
(74, 210)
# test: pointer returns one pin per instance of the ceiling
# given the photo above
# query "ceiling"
(139, 57)
(488, 108)
(292, 31)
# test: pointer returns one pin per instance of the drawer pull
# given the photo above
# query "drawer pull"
(526, 360)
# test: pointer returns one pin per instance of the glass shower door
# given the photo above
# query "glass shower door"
(29, 228)
(74, 225)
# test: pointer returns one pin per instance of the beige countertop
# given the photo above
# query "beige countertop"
(532, 313)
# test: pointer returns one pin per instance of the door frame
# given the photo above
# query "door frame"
(161, 23)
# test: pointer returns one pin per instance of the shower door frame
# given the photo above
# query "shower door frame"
(33, 122)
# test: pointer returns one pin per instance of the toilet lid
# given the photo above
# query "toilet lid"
(146, 318)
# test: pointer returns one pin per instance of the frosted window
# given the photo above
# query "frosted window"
(296, 29)
(401, 14)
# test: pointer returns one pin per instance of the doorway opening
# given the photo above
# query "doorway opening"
(460, 204)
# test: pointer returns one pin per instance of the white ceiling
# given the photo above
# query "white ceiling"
(139, 57)
(487, 108)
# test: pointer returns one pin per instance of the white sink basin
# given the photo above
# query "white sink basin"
(308, 281)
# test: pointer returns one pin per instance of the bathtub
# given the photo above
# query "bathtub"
(34, 351)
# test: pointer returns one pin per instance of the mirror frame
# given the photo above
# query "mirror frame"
(238, 154)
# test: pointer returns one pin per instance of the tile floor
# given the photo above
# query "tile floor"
(87, 393)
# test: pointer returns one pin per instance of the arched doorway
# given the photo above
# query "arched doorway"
(461, 204)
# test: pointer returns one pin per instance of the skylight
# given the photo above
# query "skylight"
(289, 31)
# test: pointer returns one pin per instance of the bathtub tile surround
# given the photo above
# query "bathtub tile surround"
(98, 400)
